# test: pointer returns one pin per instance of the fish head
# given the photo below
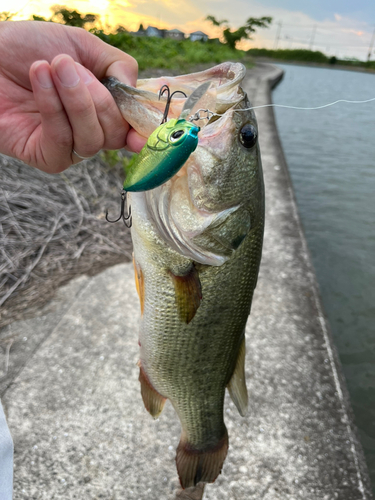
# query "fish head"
(205, 211)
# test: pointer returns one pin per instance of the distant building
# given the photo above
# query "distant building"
(175, 34)
(152, 31)
(198, 35)
(138, 33)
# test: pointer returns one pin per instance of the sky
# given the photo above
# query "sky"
(340, 28)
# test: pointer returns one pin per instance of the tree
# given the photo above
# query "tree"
(38, 18)
(6, 16)
(72, 17)
(141, 28)
(231, 37)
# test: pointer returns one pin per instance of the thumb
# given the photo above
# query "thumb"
(103, 60)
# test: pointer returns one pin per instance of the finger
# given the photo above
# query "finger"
(88, 136)
(134, 141)
(113, 125)
(54, 144)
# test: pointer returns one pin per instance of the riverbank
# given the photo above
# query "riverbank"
(74, 405)
(344, 67)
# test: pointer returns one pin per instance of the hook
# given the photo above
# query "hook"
(169, 98)
(126, 217)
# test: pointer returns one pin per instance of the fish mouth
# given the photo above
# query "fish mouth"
(143, 107)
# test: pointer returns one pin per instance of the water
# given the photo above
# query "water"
(331, 157)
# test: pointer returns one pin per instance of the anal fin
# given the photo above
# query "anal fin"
(153, 401)
(237, 384)
(188, 292)
(200, 466)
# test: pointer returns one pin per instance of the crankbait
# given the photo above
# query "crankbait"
(165, 152)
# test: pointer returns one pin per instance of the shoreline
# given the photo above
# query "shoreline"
(342, 67)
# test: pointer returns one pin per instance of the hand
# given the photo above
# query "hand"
(51, 98)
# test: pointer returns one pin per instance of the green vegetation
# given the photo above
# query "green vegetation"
(62, 15)
(6, 16)
(308, 56)
(231, 37)
(118, 158)
(168, 53)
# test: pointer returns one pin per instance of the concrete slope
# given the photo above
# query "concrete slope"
(75, 410)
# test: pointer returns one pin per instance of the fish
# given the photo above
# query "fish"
(197, 241)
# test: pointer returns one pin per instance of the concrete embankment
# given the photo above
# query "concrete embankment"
(74, 406)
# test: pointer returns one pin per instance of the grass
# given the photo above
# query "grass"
(153, 52)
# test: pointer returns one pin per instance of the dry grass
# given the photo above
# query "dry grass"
(52, 228)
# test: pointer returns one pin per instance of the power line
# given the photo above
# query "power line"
(278, 35)
(371, 46)
(312, 37)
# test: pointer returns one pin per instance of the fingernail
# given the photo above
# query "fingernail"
(43, 75)
(66, 72)
(84, 74)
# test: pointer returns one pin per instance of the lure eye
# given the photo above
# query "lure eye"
(176, 135)
(248, 136)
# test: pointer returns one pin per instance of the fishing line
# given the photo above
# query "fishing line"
(304, 108)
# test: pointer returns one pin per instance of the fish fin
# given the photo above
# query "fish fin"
(139, 284)
(193, 493)
(188, 292)
(195, 466)
(153, 401)
(237, 384)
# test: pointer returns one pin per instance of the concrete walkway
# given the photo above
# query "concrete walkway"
(72, 395)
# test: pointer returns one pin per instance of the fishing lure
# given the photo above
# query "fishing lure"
(165, 152)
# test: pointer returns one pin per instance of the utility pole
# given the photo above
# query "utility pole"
(371, 45)
(312, 37)
(277, 35)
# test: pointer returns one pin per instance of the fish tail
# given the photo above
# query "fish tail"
(200, 465)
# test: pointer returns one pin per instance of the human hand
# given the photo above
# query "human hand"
(51, 99)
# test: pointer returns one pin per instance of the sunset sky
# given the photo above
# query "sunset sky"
(337, 27)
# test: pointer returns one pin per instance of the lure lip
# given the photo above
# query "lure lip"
(194, 131)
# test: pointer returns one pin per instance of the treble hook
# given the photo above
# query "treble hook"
(169, 98)
(126, 217)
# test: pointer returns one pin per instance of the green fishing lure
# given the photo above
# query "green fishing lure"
(165, 152)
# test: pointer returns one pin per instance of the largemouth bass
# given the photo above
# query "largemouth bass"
(197, 248)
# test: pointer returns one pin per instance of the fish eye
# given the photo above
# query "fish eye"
(248, 136)
(176, 135)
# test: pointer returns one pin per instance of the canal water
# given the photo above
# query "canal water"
(331, 157)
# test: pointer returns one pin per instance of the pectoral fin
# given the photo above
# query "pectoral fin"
(139, 284)
(237, 384)
(188, 292)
